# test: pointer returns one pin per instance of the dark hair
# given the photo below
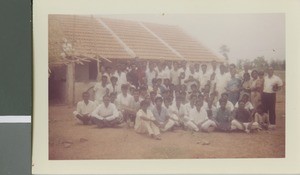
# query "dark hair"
(193, 96)
(199, 101)
(261, 73)
(143, 88)
(224, 93)
(246, 73)
(254, 72)
(85, 93)
(113, 93)
(240, 101)
(222, 100)
(158, 98)
(113, 77)
(124, 86)
(233, 65)
(106, 95)
(144, 102)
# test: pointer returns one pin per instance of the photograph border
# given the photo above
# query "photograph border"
(41, 164)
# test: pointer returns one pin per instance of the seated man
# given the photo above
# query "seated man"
(228, 103)
(177, 112)
(84, 109)
(248, 104)
(162, 115)
(242, 119)
(198, 119)
(191, 104)
(106, 114)
(145, 121)
(223, 116)
(262, 118)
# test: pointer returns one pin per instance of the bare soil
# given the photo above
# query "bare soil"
(69, 140)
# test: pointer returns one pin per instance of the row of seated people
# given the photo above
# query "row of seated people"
(153, 113)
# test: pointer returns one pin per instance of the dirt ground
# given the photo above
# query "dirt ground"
(69, 140)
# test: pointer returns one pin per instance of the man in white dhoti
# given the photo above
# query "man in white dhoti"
(145, 121)
(177, 112)
(199, 120)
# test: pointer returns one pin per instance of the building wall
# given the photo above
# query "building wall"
(81, 87)
(57, 85)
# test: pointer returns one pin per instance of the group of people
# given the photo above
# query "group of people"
(154, 97)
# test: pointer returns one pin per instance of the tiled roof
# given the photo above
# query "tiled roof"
(87, 35)
(188, 47)
(122, 39)
(138, 39)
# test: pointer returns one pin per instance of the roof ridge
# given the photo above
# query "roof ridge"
(122, 43)
(162, 41)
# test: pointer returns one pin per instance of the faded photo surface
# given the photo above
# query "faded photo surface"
(166, 86)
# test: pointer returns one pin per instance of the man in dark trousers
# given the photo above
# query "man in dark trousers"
(272, 84)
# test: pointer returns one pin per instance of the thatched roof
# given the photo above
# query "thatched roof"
(94, 37)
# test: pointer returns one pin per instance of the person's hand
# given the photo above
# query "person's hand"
(275, 87)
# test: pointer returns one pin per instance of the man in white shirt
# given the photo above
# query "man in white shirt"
(134, 106)
(198, 118)
(245, 70)
(100, 89)
(114, 87)
(175, 73)
(161, 73)
(145, 121)
(229, 106)
(121, 75)
(177, 112)
(214, 68)
(272, 84)
(162, 115)
(150, 73)
(123, 103)
(204, 76)
(248, 105)
(191, 78)
(221, 81)
(106, 114)
(84, 109)
(191, 104)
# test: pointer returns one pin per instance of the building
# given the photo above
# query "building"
(87, 42)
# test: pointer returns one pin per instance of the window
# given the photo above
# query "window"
(86, 72)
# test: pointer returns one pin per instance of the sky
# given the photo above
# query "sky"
(246, 35)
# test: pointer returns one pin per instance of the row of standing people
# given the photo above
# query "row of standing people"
(167, 112)
(191, 78)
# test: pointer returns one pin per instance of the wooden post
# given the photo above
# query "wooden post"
(70, 83)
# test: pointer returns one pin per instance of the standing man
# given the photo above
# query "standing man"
(233, 86)
(272, 84)
(133, 77)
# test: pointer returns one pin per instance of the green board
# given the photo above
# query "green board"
(15, 57)
(15, 86)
